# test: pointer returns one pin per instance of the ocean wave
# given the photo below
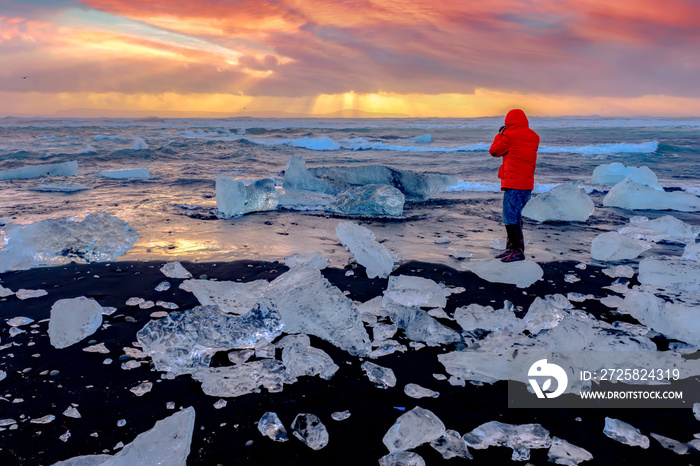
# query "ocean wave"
(493, 186)
(599, 149)
(325, 143)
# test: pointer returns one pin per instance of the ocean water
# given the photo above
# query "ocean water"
(174, 210)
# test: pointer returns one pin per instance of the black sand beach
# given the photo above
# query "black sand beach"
(222, 436)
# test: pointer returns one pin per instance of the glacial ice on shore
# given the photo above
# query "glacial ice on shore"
(242, 379)
(306, 360)
(72, 320)
(100, 237)
(521, 274)
(614, 246)
(314, 259)
(567, 202)
(402, 458)
(36, 171)
(563, 452)
(231, 297)
(382, 376)
(419, 326)
(628, 194)
(692, 252)
(677, 275)
(175, 270)
(667, 228)
(409, 290)
(518, 437)
(309, 304)
(271, 426)
(126, 173)
(477, 317)
(416, 391)
(184, 341)
(451, 445)
(372, 200)
(412, 429)
(375, 257)
(610, 173)
(309, 429)
(625, 433)
(297, 177)
(235, 198)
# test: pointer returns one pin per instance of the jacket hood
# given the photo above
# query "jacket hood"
(516, 117)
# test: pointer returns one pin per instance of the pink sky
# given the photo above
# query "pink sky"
(418, 58)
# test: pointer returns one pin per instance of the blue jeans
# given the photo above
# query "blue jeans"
(514, 201)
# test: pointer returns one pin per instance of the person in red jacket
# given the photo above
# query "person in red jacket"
(517, 145)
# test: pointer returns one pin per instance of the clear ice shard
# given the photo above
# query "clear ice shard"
(271, 426)
(372, 200)
(412, 429)
(242, 379)
(19, 321)
(618, 271)
(678, 275)
(231, 297)
(521, 274)
(625, 433)
(296, 176)
(415, 291)
(667, 228)
(675, 446)
(451, 445)
(563, 452)
(382, 376)
(546, 313)
(100, 237)
(309, 429)
(628, 194)
(402, 458)
(416, 391)
(692, 252)
(514, 436)
(126, 173)
(72, 320)
(175, 270)
(167, 443)
(235, 198)
(36, 171)
(419, 326)
(610, 173)
(309, 304)
(184, 341)
(315, 259)
(614, 246)
(362, 243)
(566, 202)
(306, 360)
(477, 317)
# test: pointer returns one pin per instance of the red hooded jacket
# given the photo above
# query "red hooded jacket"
(517, 144)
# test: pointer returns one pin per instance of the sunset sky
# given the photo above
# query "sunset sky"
(419, 58)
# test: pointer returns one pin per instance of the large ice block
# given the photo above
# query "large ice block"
(420, 326)
(72, 320)
(235, 198)
(306, 360)
(614, 246)
(495, 433)
(186, 340)
(628, 194)
(297, 177)
(309, 304)
(566, 202)
(563, 452)
(415, 291)
(412, 429)
(610, 173)
(667, 228)
(242, 379)
(625, 433)
(309, 429)
(372, 200)
(546, 313)
(675, 274)
(477, 317)
(100, 237)
(231, 297)
(521, 274)
(36, 171)
(362, 243)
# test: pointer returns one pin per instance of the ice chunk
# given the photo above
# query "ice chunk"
(637, 196)
(306, 360)
(443, 240)
(696, 411)
(611, 173)
(412, 429)
(340, 415)
(563, 452)
(625, 433)
(679, 275)
(142, 388)
(139, 144)
(546, 313)
(613, 246)
(402, 458)
(566, 202)
(72, 412)
(100, 237)
(674, 445)
(451, 445)
(5, 292)
(460, 254)
(183, 341)
(362, 243)
(98, 348)
(296, 176)
(271, 426)
(514, 436)
(235, 198)
(521, 274)
(36, 171)
(309, 304)
(19, 321)
(372, 200)
(475, 317)
(415, 291)
(645, 176)
(242, 379)
(309, 429)
(60, 188)
(298, 199)
(382, 332)
(423, 138)
(676, 320)
(127, 173)
(72, 320)
(29, 294)
(667, 228)
(231, 297)
(692, 252)
(416, 391)
(420, 326)
(619, 271)
(315, 259)
(168, 442)
(175, 270)
(382, 376)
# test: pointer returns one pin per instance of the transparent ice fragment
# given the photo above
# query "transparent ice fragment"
(231, 297)
(521, 274)
(71, 411)
(514, 436)
(419, 326)
(5, 292)
(382, 376)
(309, 429)
(667, 228)
(415, 291)
(566, 202)
(614, 246)
(340, 415)
(175, 270)
(296, 176)
(375, 257)
(628, 194)
(134, 301)
(563, 452)
(306, 360)
(679, 275)
(43, 420)
(241, 379)
(610, 173)
(235, 198)
(19, 321)
(460, 254)
(28, 294)
(142, 388)
(382, 332)
(625, 433)
(451, 445)
(315, 259)
(163, 286)
(402, 458)
(412, 429)
(675, 446)
(416, 391)
(221, 403)
(36, 171)
(692, 252)
(546, 313)
(372, 200)
(271, 426)
(72, 320)
(619, 271)
(475, 317)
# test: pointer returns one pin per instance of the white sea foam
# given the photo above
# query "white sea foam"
(596, 149)
(493, 187)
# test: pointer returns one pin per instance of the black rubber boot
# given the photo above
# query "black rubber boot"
(518, 251)
(509, 242)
